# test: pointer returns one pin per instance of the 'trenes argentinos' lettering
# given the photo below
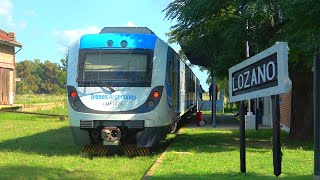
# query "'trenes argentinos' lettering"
(113, 97)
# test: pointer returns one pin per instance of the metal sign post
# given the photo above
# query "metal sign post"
(277, 154)
(242, 138)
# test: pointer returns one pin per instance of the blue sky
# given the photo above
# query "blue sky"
(47, 28)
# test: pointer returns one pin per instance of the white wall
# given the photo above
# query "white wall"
(267, 115)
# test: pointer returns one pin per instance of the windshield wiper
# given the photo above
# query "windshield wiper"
(104, 85)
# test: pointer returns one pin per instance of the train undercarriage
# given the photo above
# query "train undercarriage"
(127, 139)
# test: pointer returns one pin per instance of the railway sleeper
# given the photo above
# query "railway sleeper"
(133, 150)
(95, 149)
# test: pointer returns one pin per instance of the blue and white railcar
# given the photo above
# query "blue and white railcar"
(126, 86)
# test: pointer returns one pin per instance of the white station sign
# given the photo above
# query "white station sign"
(262, 75)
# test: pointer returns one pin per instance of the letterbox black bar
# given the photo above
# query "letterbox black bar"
(277, 154)
(242, 138)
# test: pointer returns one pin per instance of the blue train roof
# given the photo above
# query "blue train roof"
(97, 41)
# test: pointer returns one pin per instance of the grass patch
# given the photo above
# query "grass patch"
(214, 154)
(41, 147)
(39, 98)
(59, 110)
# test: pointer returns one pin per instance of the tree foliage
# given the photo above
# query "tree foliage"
(41, 77)
(199, 28)
(301, 31)
(218, 30)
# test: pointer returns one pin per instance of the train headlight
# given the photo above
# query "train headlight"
(73, 94)
(156, 94)
(150, 104)
(123, 43)
(76, 103)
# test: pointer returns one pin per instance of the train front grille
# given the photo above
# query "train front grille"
(86, 124)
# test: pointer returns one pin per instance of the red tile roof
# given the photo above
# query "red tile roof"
(4, 39)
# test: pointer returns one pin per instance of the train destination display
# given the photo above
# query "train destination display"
(262, 75)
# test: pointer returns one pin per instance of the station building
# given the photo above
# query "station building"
(8, 50)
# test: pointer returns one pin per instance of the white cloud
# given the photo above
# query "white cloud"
(131, 24)
(6, 8)
(65, 38)
(6, 16)
(30, 12)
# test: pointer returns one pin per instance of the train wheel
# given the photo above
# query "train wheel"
(202, 123)
(173, 127)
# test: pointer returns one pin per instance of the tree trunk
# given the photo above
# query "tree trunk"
(301, 127)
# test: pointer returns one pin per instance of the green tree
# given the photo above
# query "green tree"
(217, 32)
(38, 77)
(29, 81)
(301, 31)
(50, 83)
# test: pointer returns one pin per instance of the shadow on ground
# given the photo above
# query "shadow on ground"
(53, 142)
(229, 175)
(226, 136)
(39, 172)
(221, 119)
(31, 172)
(59, 142)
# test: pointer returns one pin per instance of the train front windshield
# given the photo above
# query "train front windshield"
(123, 68)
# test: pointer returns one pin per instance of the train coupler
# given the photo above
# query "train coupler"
(111, 136)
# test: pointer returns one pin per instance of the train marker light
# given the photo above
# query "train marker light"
(123, 43)
(109, 43)
(156, 94)
(73, 94)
